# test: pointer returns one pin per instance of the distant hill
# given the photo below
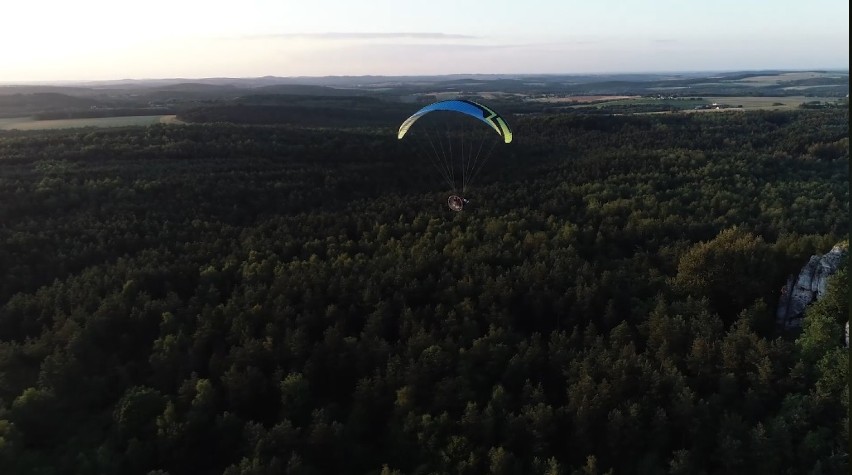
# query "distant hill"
(12, 90)
(18, 104)
(303, 110)
(181, 94)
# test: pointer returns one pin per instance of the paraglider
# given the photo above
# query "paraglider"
(456, 203)
(457, 153)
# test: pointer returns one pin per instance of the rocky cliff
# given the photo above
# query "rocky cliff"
(809, 285)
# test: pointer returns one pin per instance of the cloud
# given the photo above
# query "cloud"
(364, 36)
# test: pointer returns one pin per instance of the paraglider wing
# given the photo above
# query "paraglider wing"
(470, 108)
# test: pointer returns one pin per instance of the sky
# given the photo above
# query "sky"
(68, 40)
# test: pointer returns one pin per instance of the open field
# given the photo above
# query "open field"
(725, 102)
(769, 80)
(771, 103)
(791, 76)
(581, 99)
(26, 123)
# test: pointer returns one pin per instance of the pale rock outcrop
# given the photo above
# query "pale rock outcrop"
(809, 285)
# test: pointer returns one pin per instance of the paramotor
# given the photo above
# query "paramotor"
(454, 135)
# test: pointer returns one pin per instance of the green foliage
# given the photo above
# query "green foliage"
(823, 327)
(731, 270)
(267, 299)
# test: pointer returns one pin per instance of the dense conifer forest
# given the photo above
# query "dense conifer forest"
(271, 299)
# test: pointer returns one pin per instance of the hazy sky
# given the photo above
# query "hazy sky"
(46, 40)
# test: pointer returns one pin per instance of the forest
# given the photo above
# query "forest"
(247, 299)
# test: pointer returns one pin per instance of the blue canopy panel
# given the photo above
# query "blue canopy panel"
(470, 108)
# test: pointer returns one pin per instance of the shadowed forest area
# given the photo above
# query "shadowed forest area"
(269, 299)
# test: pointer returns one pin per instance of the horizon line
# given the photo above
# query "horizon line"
(59, 82)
